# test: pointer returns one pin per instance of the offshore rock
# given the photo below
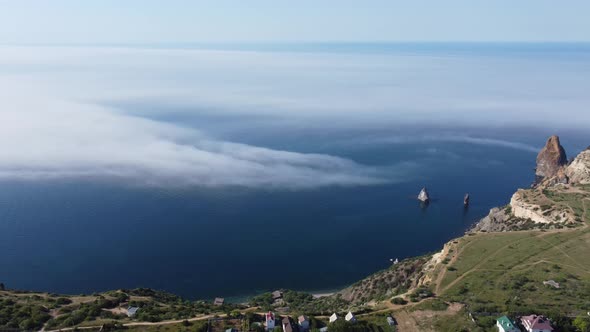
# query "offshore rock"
(423, 196)
(550, 160)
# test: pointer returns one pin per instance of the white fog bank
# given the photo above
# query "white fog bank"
(55, 121)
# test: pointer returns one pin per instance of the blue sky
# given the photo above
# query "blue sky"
(146, 21)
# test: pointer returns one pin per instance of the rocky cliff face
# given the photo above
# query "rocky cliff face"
(526, 207)
(579, 170)
(495, 221)
(552, 202)
(550, 160)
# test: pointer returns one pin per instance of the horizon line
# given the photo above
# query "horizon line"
(292, 42)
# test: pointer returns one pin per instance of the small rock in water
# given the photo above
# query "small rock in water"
(423, 196)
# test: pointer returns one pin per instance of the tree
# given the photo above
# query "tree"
(399, 301)
(2, 286)
(582, 324)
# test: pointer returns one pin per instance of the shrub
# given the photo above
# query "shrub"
(399, 301)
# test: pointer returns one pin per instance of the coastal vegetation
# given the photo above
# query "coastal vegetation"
(28, 310)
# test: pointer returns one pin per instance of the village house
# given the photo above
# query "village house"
(333, 318)
(287, 326)
(131, 311)
(534, 323)
(350, 317)
(504, 324)
(270, 321)
(390, 321)
(303, 322)
(218, 301)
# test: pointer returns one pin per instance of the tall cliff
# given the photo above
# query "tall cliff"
(553, 201)
(551, 160)
(579, 170)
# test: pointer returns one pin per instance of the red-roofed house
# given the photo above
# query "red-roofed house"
(534, 323)
(270, 321)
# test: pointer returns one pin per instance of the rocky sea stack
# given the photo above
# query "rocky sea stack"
(423, 196)
(551, 160)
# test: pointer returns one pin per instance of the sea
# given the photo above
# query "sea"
(79, 234)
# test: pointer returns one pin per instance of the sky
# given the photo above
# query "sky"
(224, 21)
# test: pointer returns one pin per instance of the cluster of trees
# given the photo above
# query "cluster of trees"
(155, 311)
(74, 315)
(264, 301)
(421, 293)
(302, 302)
(22, 316)
(344, 326)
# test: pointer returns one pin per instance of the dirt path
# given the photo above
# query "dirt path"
(408, 320)
(579, 266)
(405, 322)
(443, 271)
(166, 322)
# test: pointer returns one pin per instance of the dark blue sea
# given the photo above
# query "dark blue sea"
(83, 236)
(87, 234)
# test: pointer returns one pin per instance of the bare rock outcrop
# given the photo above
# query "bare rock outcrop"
(423, 196)
(495, 221)
(523, 208)
(579, 170)
(550, 160)
(395, 280)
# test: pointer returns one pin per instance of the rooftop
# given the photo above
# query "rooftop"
(506, 323)
(536, 322)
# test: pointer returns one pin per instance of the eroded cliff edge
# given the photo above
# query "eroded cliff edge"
(554, 200)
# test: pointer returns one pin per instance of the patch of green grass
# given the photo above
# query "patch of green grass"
(505, 271)
(434, 305)
(457, 323)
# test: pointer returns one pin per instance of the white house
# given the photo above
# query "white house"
(504, 324)
(303, 322)
(333, 318)
(534, 323)
(350, 317)
(390, 321)
(131, 311)
(270, 321)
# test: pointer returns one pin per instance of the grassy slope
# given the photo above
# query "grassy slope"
(494, 273)
(503, 272)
